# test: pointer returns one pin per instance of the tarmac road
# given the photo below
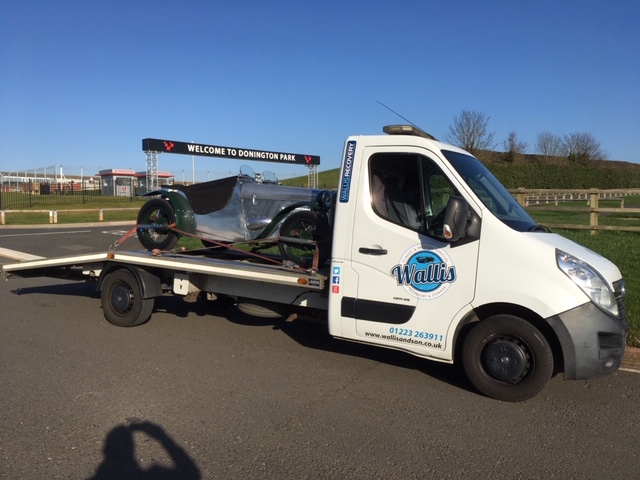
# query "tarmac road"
(205, 392)
(59, 240)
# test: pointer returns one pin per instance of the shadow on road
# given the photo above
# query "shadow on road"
(315, 335)
(120, 458)
(309, 334)
(78, 289)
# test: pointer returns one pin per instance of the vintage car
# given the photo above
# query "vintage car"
(246, 207)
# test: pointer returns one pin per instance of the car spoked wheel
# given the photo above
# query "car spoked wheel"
(155, 217)
(507, 358)
(304, 225)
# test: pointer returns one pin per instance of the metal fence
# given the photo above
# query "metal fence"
(28, 193)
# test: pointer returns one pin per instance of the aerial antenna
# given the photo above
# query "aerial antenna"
(393, 111)
(417, 131)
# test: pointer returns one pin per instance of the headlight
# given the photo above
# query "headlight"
(324, 199)
(589, 281)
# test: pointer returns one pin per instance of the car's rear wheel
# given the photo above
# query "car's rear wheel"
(305, 225)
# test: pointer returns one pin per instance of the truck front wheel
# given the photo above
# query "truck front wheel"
(122, 302)
(507, 358)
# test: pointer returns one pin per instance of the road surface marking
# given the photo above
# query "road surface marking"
(20, 256)
(44, 233)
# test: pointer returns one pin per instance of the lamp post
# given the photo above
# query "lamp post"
(193, 168)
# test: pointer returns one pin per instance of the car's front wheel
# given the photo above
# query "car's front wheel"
(154, 219)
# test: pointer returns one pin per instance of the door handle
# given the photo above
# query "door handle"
(372, 251)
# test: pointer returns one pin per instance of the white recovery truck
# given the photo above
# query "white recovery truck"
(429, 255)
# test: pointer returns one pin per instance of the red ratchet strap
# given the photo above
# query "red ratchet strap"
(229, 247)
(121, 240)
(157, 252)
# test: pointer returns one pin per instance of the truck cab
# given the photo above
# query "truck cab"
(432, 255)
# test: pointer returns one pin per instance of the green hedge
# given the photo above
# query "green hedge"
(566, 176)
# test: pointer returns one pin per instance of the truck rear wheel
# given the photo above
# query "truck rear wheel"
(156, 215)
(122, 302)
(507, 358)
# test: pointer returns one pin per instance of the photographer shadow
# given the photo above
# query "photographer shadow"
(120, 459)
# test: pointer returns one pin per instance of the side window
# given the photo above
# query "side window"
(439, 190)
(409, 190)
(395, 188)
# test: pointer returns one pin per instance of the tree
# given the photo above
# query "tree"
(514, 147)
(469, 131)
(549, 145)
(582, 148)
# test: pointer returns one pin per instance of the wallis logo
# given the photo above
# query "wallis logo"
(425, 274)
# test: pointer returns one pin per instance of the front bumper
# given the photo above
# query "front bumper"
(592, 341)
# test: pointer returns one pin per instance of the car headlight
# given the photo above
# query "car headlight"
(324, 199)
(589, 280)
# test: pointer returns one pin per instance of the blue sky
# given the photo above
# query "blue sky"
(83, 82)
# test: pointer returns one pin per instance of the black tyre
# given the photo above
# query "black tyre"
(160, 214)
(305, 225)
(507, 358)
(122, 302)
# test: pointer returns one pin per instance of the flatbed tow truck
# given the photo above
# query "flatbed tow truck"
(430, 255)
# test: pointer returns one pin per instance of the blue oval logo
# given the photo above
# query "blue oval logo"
(425, 274)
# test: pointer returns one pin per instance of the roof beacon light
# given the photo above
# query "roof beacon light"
(406, 130)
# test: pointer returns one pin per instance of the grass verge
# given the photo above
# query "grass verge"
(112, 211)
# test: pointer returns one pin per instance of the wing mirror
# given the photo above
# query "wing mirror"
(456, 217)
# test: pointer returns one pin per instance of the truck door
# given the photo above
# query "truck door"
(411, 283)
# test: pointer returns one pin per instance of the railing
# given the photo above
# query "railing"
(540, 198)
(53, 214)
(33, 193)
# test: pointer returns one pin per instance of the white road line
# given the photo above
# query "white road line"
(632, 370)
(44, 233)
(20, 256)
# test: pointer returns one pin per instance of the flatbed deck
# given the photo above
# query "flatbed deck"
(90, 265)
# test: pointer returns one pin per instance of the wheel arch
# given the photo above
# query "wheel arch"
(485, 311)
(185, 218)
(283, 215)
(150, 283)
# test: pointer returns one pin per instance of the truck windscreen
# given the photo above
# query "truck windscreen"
(491, 192)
